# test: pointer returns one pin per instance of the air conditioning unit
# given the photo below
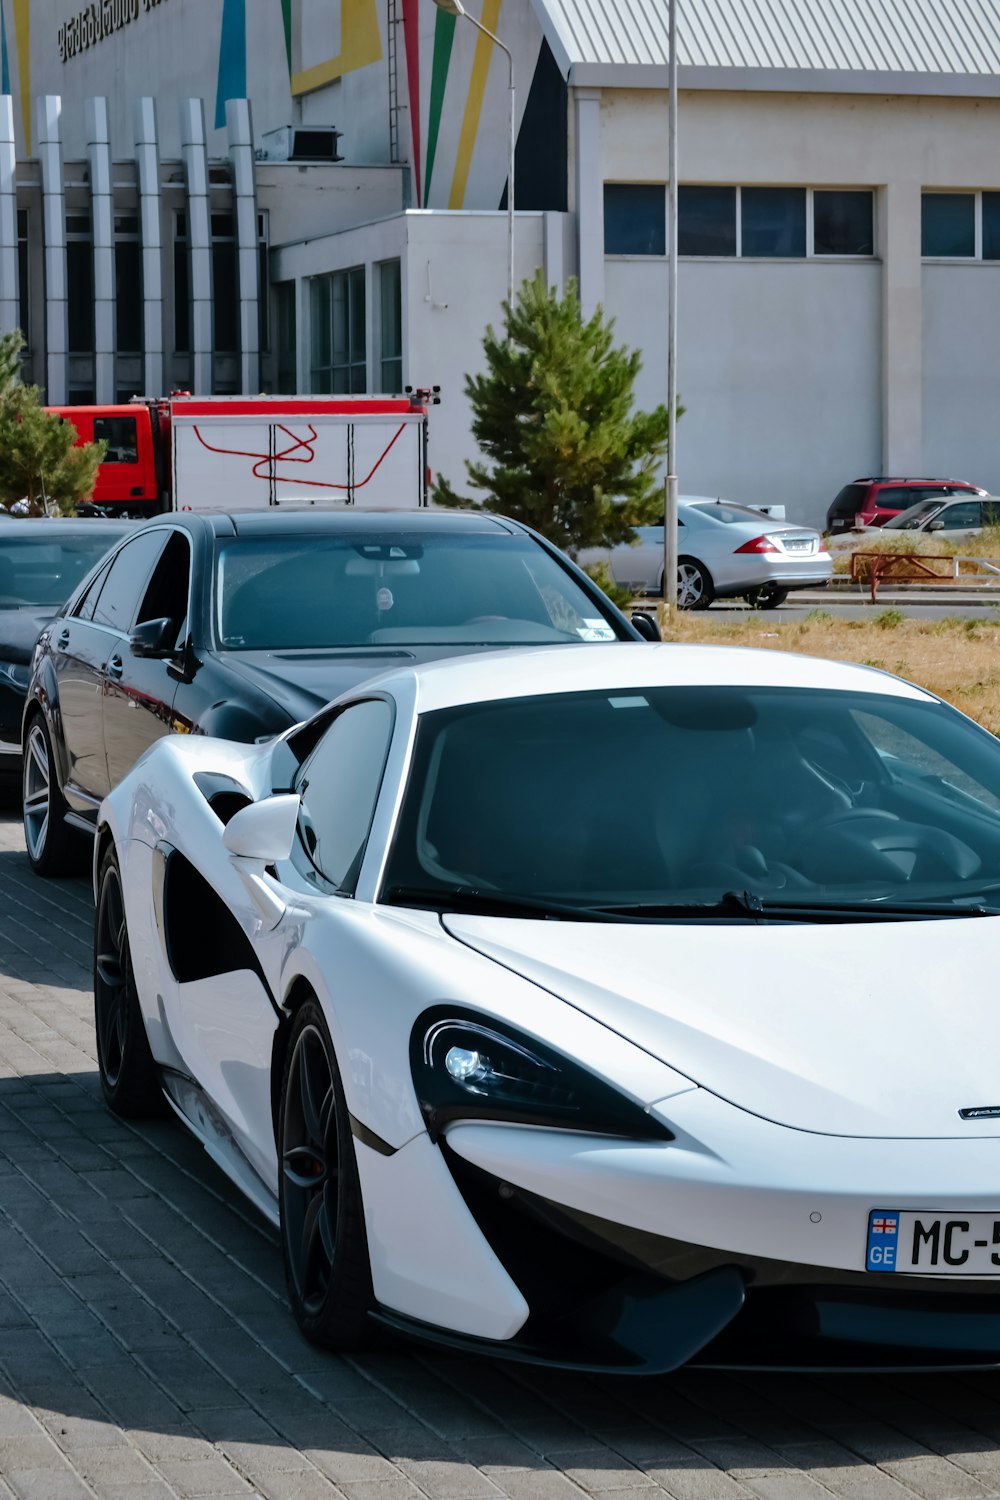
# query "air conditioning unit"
(301, 143)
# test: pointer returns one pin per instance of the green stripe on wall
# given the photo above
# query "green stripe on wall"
(444, 34)
(286, 17)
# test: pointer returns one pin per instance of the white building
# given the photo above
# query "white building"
(839, 211)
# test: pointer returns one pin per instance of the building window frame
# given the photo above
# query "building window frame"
(24, 277)
(810, 254)
(389, 333)
(978, 255)
(344, 289)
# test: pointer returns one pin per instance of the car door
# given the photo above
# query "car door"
(957, 520)
(81, 646)
(139, 691)
(221, 1015)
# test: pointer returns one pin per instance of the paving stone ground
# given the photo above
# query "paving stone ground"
(146, 1348)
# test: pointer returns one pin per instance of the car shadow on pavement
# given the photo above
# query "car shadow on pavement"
(139, 1295)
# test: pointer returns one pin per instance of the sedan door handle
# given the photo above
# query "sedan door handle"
(62, 640)
(115, 668)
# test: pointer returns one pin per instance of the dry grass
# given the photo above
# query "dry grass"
(985, 544)
(959, 660)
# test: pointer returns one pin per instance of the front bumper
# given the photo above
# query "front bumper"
(739, 1244)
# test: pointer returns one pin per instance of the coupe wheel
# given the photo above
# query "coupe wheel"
(322, 1216)
(128, 1072)
(695, 589)
(53, 848)
(768, 596)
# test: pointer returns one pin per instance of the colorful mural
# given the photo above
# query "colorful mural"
(22, 42)
(308, 25)
(232, 79)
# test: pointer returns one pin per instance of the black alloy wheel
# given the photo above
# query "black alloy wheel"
(129, 1076)
(767, 596)
(53, 847)
(322, 1216)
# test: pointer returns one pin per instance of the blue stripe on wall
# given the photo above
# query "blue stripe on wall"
(232, 58)
(4, 64)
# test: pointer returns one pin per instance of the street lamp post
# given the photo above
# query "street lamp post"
(670, 497)
(456, 8)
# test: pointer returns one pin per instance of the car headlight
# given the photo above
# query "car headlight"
(468, 1067)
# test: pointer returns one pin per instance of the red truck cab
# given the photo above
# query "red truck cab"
(127, 477)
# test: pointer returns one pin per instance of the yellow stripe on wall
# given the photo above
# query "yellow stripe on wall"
(22, 37)
(473, 105)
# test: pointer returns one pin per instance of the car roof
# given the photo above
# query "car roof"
(55, 526)
(291, 522)
(526, 672)
(896, 479)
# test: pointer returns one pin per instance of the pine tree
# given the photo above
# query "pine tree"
(40, 461)
(564, 451)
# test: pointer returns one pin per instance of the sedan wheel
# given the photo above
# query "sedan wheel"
(768, 596)
(694, 585)
(322, 1217)
(53, 848)
(129, 1075)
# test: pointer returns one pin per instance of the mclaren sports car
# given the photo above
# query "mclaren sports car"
(609, 1009)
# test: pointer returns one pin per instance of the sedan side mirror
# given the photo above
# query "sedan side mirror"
(936, 526)
(264, 831)
(646, 625)
(156, 638)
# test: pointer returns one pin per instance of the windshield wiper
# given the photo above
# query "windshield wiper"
(469, 898)
(748, 903)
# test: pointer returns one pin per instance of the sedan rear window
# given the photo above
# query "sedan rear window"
(728, 515)
(405, 589)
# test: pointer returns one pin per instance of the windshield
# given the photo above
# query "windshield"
(686, 795)
(43, 571)
(330, 591)
(913, 516)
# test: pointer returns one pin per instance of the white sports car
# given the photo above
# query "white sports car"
(609, 1009)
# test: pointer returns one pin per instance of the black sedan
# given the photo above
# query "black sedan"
(240, 625)
(41, 563)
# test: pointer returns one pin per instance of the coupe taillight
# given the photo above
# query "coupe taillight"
(759, 544)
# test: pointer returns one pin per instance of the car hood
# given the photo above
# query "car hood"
(19, 630)
(303, 681)
(869, 1029)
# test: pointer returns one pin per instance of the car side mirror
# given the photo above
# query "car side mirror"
(264, 831)
(936, 525)
(156, 638)
(646, 625)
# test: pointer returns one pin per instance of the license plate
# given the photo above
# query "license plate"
(928, 1242)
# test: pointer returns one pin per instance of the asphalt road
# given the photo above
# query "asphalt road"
(146, 1350)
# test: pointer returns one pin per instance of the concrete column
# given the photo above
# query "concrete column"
(902, 328)
(239, 128)
(10, 304)
(102, 210)
(303, 335)
(199, 223)
(589, 198)
(49, 152)
(147, 157)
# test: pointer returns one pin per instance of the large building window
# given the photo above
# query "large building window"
(960, 226)
(128, 285)
(24, 302)
(225, 286)
(182, 286)
(774, 221)
(79, 284)
(843, 222)
(390, 293)
(706, 220)
(338, 361)
(635, 218)
(284, 312)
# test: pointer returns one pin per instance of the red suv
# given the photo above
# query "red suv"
(870, 502)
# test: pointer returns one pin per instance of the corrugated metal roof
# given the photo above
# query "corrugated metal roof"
(949, 37)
